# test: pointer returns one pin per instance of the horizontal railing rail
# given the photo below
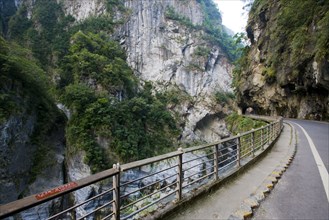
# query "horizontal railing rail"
(137, 189)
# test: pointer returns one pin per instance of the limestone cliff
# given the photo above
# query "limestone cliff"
(285, 71)
(164, 51)
(173, 53)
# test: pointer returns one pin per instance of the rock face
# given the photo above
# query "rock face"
(31, 130)
(77, 170)
(16, 157)
(82, 9)
(7, 9)
(159, 49)
(286, 69)
(163, 51)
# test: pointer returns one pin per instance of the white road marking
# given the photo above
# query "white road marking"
(322, 169)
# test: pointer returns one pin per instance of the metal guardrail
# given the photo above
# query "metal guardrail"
(134, 190)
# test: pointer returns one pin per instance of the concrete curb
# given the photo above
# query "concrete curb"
(248, 206)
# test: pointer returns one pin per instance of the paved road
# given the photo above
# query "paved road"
(301, 193)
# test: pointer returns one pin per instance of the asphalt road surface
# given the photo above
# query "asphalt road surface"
(302, 192)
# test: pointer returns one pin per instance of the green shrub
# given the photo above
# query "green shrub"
(174, 96)
(269, 73)
(115, 4)
(24, 92)
(239, 124)
(19, 24)
(170, 13)
(194, 67)
(201, 51)
(137, 124)
(224, 97)
(322, 36)
(92, 57)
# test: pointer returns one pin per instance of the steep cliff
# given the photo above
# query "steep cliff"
(285, 71)
(138, 78)
(166, 43)
(31, 128)
(171, 52)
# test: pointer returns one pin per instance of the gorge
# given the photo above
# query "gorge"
(135, 78)
(91, 83)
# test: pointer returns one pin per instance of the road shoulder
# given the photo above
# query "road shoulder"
(252, 202)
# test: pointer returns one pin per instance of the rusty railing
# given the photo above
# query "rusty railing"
(138, 189)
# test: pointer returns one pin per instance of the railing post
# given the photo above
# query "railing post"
(274, 130)
(253, 142)
(279, 127)
(179, 176)
(261, 138)
(216, 161)
(238, 150)
(116, 193)
(269, 134)
(281, 124)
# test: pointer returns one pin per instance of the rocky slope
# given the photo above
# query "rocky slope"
(286, 69)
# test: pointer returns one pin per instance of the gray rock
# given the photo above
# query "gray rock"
(161, 50)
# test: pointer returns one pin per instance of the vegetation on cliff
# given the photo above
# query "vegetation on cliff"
(106, 103)
(24, 93)
(214, 31)
(238, 124)
(93, 80)
(114, 115)
(300, 32)
(289, 49)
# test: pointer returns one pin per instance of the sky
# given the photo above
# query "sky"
(233, 15)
